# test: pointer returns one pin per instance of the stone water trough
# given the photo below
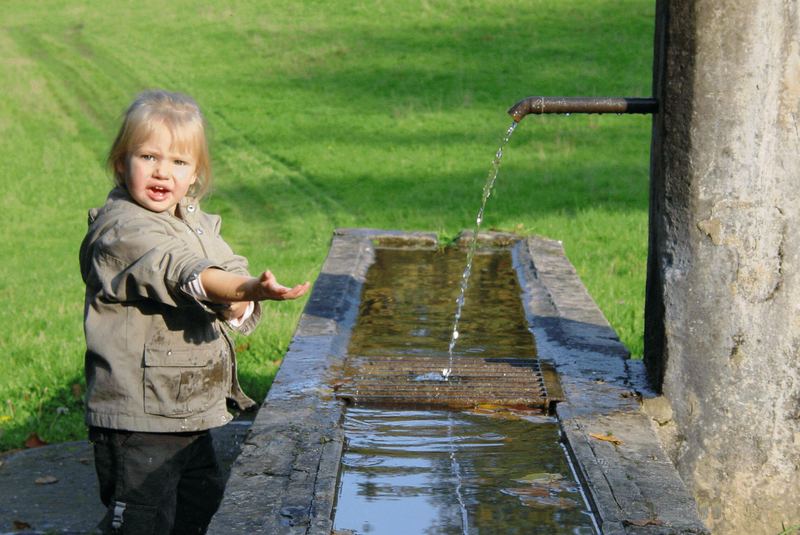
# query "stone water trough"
(284, 480)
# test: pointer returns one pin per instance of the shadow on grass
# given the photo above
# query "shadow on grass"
(446, 199)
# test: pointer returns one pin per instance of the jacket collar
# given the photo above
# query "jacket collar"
(188, 206)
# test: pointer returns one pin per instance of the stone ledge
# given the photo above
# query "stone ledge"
(632, 485)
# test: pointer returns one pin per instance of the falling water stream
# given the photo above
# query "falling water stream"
(465, 276)
(487, 192)
(490, 470)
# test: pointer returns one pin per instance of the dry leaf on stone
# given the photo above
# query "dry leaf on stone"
(46, 480)
(606, 438)
(19, 525)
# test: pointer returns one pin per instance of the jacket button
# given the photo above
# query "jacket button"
(169, 352)
(199, 230)
(190, 208)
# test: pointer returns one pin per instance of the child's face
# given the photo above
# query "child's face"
(158, 175)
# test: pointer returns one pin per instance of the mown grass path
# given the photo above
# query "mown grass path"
(325, 114)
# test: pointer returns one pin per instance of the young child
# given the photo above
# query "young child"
(163, 290)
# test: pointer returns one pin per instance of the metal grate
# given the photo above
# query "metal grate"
(417, 380)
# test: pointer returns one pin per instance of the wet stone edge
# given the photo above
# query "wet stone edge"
(631, 485)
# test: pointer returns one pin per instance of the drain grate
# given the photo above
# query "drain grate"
(417, 380)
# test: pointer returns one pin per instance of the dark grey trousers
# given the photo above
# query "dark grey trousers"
(156, 483)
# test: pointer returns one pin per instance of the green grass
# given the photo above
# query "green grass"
(325, 114)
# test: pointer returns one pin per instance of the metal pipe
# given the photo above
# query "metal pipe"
(541, 105)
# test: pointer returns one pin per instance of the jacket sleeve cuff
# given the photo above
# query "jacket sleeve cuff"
(191, 286)
(250, 323)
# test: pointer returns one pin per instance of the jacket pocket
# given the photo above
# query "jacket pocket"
(181, 382)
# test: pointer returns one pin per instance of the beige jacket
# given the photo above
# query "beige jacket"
(157, 359)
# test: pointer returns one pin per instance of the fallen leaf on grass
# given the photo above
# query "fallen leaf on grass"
(606, 438)
(19, 525)
(46, 480)
(77, 391)
(33, 441)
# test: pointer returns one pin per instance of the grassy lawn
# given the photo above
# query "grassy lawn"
(325, 114)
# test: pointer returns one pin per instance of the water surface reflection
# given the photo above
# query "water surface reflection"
(408, 472)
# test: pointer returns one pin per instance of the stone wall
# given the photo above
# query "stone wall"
(723, 299)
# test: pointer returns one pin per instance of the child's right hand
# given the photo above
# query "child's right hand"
(225, 287)
(269, 288)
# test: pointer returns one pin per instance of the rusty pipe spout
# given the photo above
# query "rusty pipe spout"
(541, 105)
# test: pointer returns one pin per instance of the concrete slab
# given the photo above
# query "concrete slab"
(53, 489)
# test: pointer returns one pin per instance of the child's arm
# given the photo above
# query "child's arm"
(229, 288)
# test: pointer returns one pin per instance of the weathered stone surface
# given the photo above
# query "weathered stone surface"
(722, 325)
(632, 483)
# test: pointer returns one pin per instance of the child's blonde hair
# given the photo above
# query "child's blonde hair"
(177, 112)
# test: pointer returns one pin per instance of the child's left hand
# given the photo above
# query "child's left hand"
(234, 311)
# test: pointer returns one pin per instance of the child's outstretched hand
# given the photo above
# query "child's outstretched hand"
(269, 288)
(228, 288)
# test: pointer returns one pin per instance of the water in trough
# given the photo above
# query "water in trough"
(487, 469)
